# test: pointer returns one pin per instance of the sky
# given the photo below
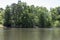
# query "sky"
(45, 3)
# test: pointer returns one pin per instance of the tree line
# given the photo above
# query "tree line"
(21, 15)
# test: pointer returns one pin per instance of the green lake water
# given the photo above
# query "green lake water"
(30, 34)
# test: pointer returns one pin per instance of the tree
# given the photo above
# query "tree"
(1, 15)
(44, 18)
(7, 17)
(21, 15)
(55, 16)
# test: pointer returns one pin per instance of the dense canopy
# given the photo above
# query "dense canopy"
(21, 15)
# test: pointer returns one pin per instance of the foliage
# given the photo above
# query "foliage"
(21, 15)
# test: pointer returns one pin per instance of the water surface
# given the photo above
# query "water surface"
(29, 34)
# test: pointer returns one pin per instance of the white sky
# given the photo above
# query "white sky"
(44, 3)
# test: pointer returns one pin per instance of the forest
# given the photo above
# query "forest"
(21, 15)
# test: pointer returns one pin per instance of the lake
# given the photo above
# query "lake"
(30, 34)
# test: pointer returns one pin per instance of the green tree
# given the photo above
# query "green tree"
(55, 16)
(44, 18)
(7, 17)
(1, 15)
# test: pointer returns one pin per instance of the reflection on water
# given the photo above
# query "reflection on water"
(29, 34)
